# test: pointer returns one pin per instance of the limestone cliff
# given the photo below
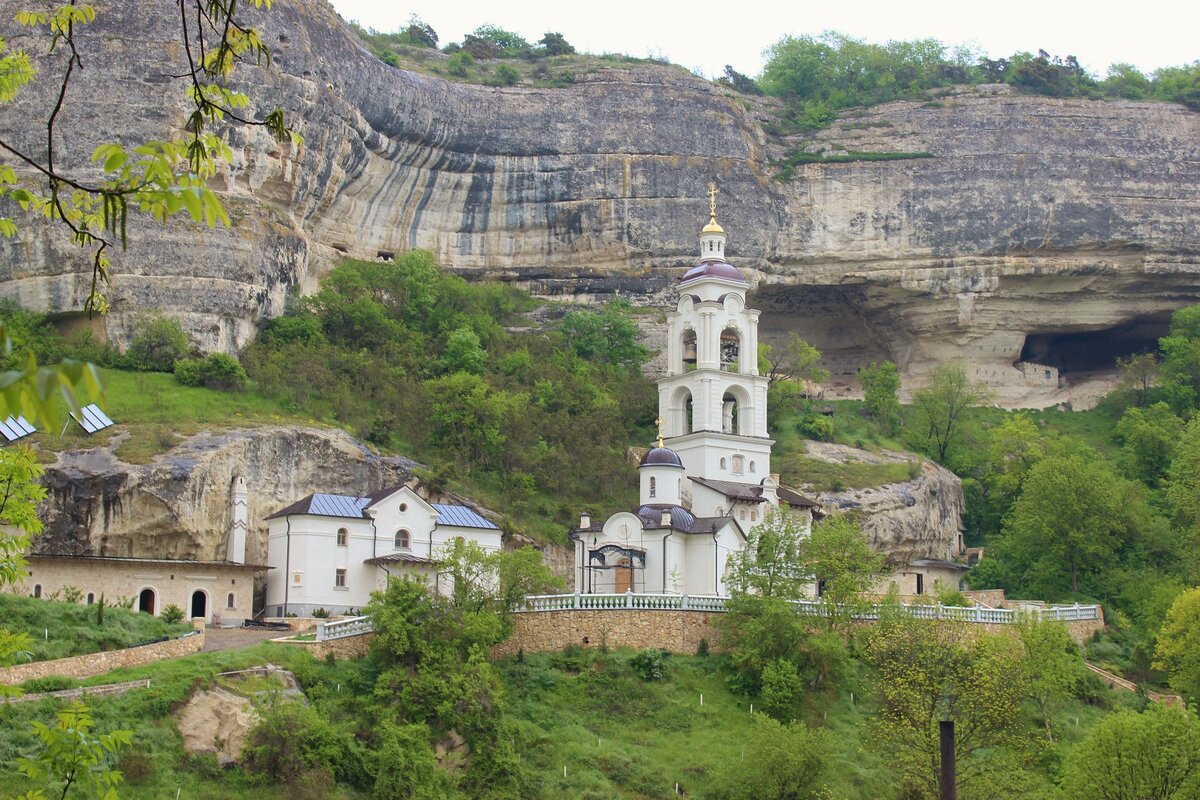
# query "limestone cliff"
(178, 506)
(1056, 233)
(918, 518)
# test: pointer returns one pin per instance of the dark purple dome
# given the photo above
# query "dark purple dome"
(660, 457)
(714, 269)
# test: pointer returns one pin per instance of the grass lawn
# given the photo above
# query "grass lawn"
(60, 629)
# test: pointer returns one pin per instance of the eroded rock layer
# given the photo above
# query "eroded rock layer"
(179, 505)
(1032, 217)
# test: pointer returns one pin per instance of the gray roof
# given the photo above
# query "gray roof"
(746, 492)
(398, 558)
(939, 563)
(461, 517)
(352, 507)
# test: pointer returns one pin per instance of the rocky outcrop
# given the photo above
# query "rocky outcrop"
(178, 506)
(918, 518)
(1049, 232)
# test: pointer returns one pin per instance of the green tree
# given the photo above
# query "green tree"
(468, 418)
(790, 762)
(1178, 647)
(772, 562)
(927, 671)
(1154, 755)
(1125, 81)
(20, 494)
(881, 385)
(406, 766)
(463, 352)
(938, 407)
(1053, 665)
(1067, 523)
(839, 556)
(609, 336)
(1148, 439)
(1180, 354)
(420, 32)
(555, 44)
(158, 342)
(792, 360)
(1139, 374)
(71, 756)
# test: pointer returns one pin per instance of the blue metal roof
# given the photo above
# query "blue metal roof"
(461, 516)
(337, 505)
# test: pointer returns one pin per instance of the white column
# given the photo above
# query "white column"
(239, 517)
(752, 337)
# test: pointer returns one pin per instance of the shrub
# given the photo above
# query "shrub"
(506, 75)
(815, 426)
(172, 614)
(50, 683)
(291, 740)
(72, 594)
(321, 613)
(136, 767)
(702, 650)
(158, 342)
(782, 690)
(459, 63)
(648, 665)
(215, 371)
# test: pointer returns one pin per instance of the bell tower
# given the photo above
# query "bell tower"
(712, 401)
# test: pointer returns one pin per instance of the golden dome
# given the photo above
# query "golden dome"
(712, 226)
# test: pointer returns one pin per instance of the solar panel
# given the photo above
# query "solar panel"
(92, 419)
(15, 428)
(461, 517)
(335, 505)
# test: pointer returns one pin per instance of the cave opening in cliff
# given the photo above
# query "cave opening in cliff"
(1096, 350)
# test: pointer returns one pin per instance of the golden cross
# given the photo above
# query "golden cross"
(658, 423)
(712, 200)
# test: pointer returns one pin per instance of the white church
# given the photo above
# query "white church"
(330, 551)
(709, 480)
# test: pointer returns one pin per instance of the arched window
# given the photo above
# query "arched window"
(720, 511)
(403, 539)
(230, 601)
(754, 516)
(739, 464)
(723, 463)
(91, 598)
(689, 354)
(729, 414)
(653, 487)
(343, 536)
(37, 590)
(752, 467)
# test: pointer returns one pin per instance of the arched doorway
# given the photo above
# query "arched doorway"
(731, 345)
(146, 601)
(199, 604)
(624, 576)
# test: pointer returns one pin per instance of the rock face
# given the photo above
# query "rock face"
(1056, 233)
(919, 518)
(179, 505)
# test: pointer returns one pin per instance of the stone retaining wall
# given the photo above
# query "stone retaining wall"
(99, 663)
(348, 647)
(673, 631)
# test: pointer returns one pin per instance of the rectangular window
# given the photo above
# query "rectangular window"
(339, 579)
(920, 583)
(296, 577)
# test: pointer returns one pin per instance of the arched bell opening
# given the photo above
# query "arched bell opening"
(689, 351)
(731, 345)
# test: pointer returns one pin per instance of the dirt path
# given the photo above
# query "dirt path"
(218, 639)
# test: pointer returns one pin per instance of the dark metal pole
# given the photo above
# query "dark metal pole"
(948, 781)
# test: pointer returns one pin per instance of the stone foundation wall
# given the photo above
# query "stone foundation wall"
(673, 631)
(348, 648)
(100, 663)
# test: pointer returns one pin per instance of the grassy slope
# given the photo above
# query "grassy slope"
(61, 629)
(616, 735)
(156, 412)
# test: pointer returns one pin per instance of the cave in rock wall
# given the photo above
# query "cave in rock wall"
(1086, 351)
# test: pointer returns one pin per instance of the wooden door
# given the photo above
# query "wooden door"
(624, 577)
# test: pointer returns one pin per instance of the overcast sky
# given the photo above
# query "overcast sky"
(706, 36)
